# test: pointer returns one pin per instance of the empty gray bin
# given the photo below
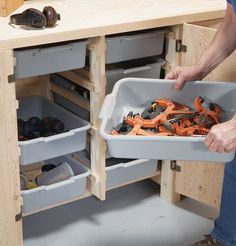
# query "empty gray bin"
(149, 70)
(124, 171)
(51, 195)
(135, 94)
(134, 46)
(127, 172)
(43, 148)
(45, 60)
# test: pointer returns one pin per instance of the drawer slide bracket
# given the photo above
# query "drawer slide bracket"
(179, 47)
(19, 216)
(174, 166)
(11, 78)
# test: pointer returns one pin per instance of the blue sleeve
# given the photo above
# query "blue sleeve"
(233, 3)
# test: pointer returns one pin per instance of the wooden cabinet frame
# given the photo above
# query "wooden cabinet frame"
(11, 201)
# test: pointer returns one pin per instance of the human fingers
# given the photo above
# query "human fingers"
(213, 147)
(179, 83)
(170, 75)
(220, 149)
(230, 148)
(209, 139)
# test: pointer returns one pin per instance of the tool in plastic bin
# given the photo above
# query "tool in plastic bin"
(61, 172)
(34, 127)
(167, 118)
(210, 111)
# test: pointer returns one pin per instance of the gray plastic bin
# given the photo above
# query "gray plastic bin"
(43, 148)
(134, 46)
(45, 60)
(149, 70)
(135, 94)
(124, 171)
(127, 172)
(50, 195)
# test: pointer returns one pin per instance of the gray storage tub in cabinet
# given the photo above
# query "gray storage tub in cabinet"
(50, 195)
(134, 46)
(122, 173)
(135, 94)
(43, 148)
(45, 60)
(149, 70)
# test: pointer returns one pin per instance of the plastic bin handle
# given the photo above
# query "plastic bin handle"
(58, 185)
(137, 69)
(107, 107)
(143, 35)
(59, 136)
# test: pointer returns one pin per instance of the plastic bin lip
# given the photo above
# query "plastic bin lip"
(159, 60)
(58, 136)
(164, 81)
(43, 188)
(38, 48)
(161, 31)
(107, 136)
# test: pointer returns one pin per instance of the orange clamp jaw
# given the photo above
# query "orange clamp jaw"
(211, 112)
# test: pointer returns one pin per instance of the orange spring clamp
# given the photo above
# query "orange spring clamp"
(167, 118)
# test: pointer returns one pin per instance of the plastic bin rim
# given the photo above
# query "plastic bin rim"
(61, 135)
(137, 34)
(41, 188)
(164, 81)
(159, 61)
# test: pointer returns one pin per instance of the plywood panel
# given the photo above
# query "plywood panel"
(34, 86)
(200, 181)
(97, 144)
(203, 181)
(197, 39)
(10, 197)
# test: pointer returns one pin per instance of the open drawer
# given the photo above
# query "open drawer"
(49, 59)
(124, 171)
(121, 172)
(73, 139)
(51, 195)
(133, 46)
(145, 68)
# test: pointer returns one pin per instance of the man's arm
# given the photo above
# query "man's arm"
(223, 44)
(222, 137)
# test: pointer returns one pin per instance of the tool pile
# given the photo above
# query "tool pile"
(35, 127)
(49, 174)
(168, 118)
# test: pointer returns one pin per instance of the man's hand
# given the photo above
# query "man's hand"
(222, 137)
(183, 75)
